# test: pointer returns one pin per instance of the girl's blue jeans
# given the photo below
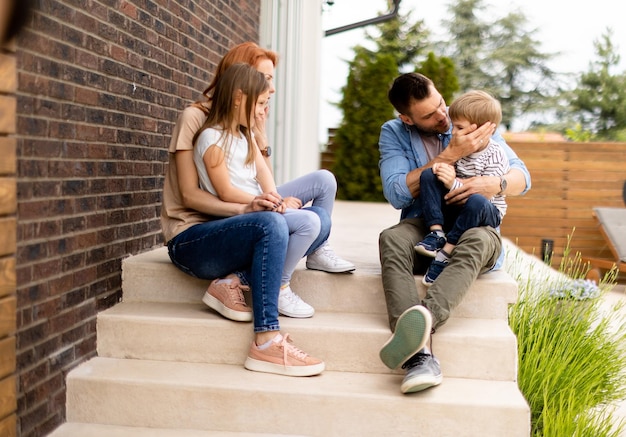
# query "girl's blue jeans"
(319, 188)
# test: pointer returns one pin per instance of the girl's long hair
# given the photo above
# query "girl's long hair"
(245, 53)
(238, 78)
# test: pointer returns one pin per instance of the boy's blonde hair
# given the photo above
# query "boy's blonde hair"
(477, 107)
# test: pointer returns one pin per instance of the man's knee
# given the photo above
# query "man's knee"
(480, 235)
(483, 242)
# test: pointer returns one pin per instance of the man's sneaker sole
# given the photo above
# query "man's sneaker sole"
(423, 251)
(411, 335)
(237, 316)
(279, 369)
(346, 269)
(426, 282)
(420, 382)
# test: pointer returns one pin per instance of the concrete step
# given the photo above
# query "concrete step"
(75, 429)
(222, 397)
(348, 342)
(151, 277)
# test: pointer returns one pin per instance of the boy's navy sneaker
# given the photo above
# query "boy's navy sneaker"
(410, 336)
(430, 245)
(434, 270)
(423, 371)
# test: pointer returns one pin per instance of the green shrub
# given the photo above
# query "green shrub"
(572, 362)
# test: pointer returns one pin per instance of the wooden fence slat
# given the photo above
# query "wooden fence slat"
(8, 163)
(7, 356)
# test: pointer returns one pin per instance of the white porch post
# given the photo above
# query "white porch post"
(293, 28)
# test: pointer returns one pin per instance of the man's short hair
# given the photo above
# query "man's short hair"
(406, 88)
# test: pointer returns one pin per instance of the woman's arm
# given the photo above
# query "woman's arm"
(260, 137)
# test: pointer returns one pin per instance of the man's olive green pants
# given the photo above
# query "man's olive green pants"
(477, 251)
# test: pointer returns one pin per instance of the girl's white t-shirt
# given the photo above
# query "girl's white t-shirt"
(242, 176)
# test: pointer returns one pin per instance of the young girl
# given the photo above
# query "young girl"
(230, 166)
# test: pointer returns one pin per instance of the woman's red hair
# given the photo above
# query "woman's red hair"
(246, 53)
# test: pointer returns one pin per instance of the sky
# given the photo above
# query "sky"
(564, 27)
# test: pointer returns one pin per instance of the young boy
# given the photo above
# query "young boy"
(448, 222)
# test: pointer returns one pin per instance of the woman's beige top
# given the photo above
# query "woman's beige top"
(175, 217)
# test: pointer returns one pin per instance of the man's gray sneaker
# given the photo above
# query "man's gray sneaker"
(423, 371)
(410, 336)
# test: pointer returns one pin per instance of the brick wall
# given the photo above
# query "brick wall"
(100, 83)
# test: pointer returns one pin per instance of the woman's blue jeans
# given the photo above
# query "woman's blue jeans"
(254, 243)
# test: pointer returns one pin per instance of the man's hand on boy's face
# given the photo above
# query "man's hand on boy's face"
(471, 139)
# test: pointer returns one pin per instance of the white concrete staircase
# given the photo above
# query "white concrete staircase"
(169, 366)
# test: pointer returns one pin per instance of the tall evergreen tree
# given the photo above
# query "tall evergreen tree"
(441, 71)
(499, 56)
(365, 107)
(600, 97)
(518, 73)
(468, 34)
(404, 41)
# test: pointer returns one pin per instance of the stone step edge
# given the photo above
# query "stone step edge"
(161, 394)
(192, 332)
(77, 429)
(489, 296)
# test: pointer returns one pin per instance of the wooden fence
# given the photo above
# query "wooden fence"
(568, 180)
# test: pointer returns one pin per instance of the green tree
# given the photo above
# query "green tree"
(465, 45)
(599, 100)
(405, 42)
(441, 72)
(365, 107)
(399, 44)
(499, 56)
(521, 80)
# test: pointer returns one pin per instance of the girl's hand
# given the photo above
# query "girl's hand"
(259, 129)
(264, 202)
(292, 202)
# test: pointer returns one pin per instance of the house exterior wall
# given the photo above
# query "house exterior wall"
(99, 85)
(293, 28)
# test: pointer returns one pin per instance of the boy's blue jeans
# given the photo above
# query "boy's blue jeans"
(455, 219)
